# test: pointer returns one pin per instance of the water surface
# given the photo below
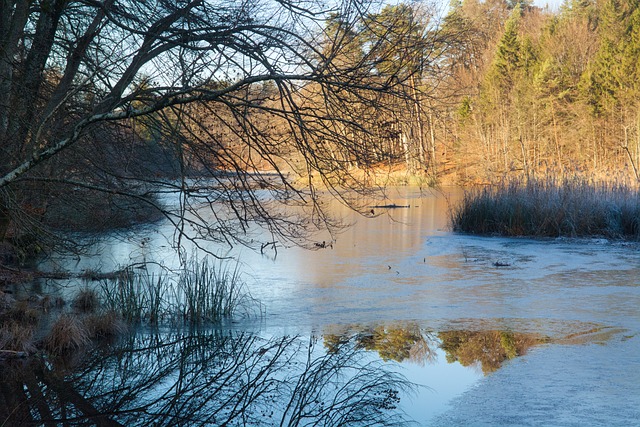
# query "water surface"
(500, 331)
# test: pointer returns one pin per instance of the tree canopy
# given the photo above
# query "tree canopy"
(220, 101)
(254, 108)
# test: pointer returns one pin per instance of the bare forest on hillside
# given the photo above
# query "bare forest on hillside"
(107, 106)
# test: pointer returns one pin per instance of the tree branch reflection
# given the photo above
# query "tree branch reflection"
(199, 378)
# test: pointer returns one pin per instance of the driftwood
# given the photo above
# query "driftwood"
(501, 264)
(391, 206)
(11, 354)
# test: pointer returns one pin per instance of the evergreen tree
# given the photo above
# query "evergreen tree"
(508, 58)
(605, 77)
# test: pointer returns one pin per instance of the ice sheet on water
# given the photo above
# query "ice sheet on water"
(562, 385)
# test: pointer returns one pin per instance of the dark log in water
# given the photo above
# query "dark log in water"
(391, 206)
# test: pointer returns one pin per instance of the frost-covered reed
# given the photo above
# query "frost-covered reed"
(550, 208)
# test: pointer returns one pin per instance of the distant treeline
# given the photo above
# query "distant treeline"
(475, 92)
(541, 92)
(496, 88)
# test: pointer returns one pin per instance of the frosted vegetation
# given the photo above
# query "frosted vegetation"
(550, 208)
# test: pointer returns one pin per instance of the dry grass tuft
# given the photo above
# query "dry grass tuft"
(105, 325)
(23, 312)
(86, 301)
(23, 321)
(67, 333)
(17, 337)
(49, 302)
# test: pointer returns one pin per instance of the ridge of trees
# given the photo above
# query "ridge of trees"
(542, 92)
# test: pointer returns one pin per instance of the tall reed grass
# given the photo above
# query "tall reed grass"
(550, 208)
(209, 293)
(200, 293)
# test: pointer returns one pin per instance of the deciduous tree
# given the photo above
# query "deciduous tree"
(86, 85)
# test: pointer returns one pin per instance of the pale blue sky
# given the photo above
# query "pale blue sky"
(553, 4)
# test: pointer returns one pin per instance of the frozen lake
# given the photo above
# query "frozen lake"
(511, 332)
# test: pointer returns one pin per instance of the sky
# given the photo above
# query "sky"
(553, 4)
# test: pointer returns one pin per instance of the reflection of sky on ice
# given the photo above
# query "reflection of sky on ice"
(558, 385)
(405, 266)
(440, 383)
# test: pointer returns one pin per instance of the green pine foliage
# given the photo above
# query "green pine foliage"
(509, 57)
(553, 92)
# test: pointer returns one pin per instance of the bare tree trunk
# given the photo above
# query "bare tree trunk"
(505, 128)
(625, 147)
(595, 146)
(24, 92)
(525, 162)
(418, 112)
(432, 132)
(13, 17)
(74, 59)
(405, 148)
(556, 139)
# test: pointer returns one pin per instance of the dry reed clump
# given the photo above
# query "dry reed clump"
(67, 333)
(551, 208)
(107, 325)
(17, 337)
(208, 293)
(24, 312)
(86, 301)
(55, 302)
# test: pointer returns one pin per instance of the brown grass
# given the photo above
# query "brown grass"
(105, 325)
(17, 337)
(23, 320)
(86, 301)
(22, 312)
(67, 333)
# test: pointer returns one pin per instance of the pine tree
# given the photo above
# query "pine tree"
(508, 59)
